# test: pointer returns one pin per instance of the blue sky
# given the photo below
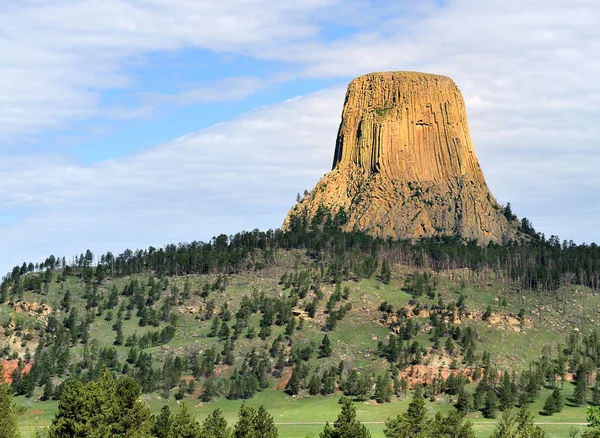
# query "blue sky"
(128, 123)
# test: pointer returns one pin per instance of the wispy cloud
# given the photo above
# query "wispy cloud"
(237, 175)
(58, 55)
(526, 69)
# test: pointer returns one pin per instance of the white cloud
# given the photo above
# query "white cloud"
(527, 71)
(238, 175)
(232, 88)
(57, 55)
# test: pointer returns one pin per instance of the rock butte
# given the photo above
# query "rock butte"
(404, 164)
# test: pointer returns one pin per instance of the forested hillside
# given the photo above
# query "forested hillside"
(312, 312)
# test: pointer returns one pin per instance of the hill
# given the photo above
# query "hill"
(309, 314)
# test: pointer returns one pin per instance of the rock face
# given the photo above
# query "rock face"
(404, 164)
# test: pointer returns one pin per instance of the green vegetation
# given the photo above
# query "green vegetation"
(8, 412)
(295, 319)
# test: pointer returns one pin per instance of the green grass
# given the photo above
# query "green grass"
(286, 409)
(354, 340)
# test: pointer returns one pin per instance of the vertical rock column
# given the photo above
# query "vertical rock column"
(404, 165)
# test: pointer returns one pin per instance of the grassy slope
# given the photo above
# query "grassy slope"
(354, 340)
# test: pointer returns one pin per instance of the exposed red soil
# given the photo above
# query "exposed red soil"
(9, 367)
(283, 380)
(424, 374)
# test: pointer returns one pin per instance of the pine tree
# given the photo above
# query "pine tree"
(263, 423)
(161, 424)
(214, 327)
(290, 327)
(346, 425)
(215, 426)
(596, 390)
(181, 390)
(119, 329)
(507, 392)
(593, 419)
(314, 385)
(103, 407)
(224, 331)
(580, 393)
(452, 425)
(8, 415)
(293, 385)
(491, 404)
(184, 424)
(65, 304)
(244, 427)
(386, 272)
(517, 425)
(464, 403)
(325, 348)
(554, 402)
(411, 424)
(383, 389)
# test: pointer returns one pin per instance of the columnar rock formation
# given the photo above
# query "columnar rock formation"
(404, 164)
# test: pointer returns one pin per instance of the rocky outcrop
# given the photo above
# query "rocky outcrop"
(31, 308)
(404, 164)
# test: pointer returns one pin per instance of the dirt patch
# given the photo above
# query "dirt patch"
(9, 367)
(282, 382)
(36, 412)
(425, 374)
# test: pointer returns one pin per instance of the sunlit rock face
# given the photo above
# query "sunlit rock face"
(404, 165)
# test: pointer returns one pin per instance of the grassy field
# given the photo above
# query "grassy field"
(290, 412)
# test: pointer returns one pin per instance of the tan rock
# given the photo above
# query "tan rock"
(404, 164)
(31, 307)
(192, 309)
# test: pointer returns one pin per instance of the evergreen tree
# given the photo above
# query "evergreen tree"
(325, 348)
(453, 425)
(507, 392)
(65, 303)
(290, 327)
(314, 385)
(224, 331)
(181, 390)
(263, 423)
(214, 327)
(580, 392)
(293, 385)
(554, 402)
(215, 426)
(103, 407)
(490, 405)
(593, 419)
(411, 424)
(184, 424)
(383, 389)
(161, 424)
(517, 425)
(119, 329)
(464, 403)
(596, 390)
(346, 425)
(244, 428)
(8, 412)
(386, 272)
(364, 385)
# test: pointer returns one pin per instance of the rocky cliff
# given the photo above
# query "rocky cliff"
(404, 164)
